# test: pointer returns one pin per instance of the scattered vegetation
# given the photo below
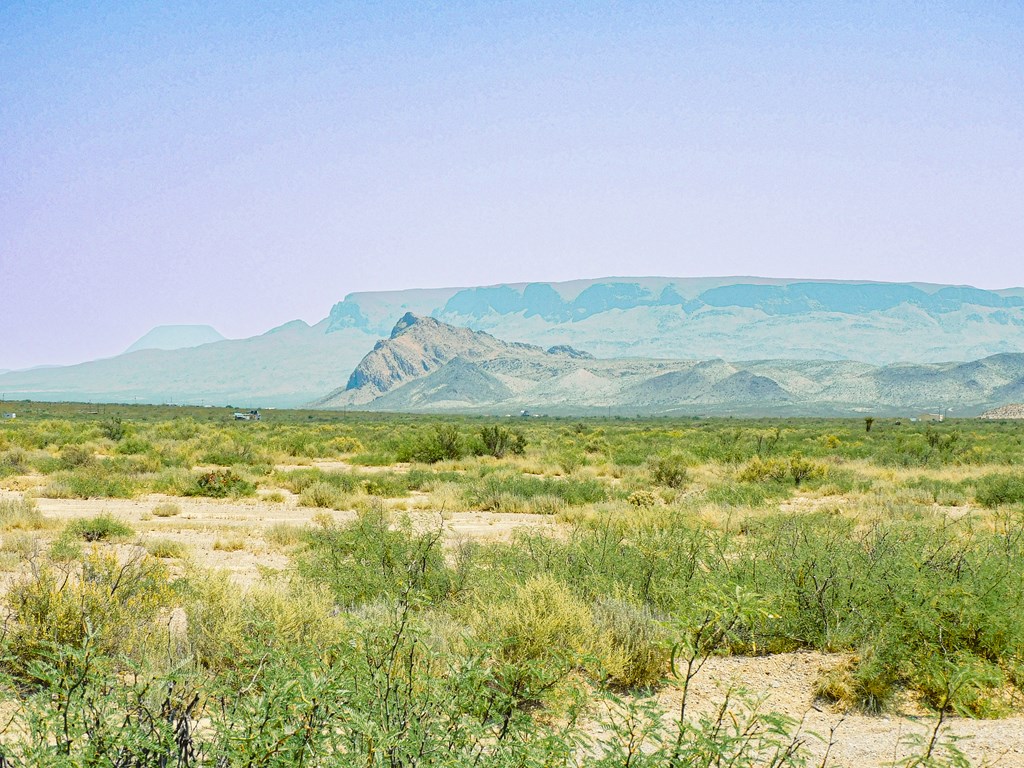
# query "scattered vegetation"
(900, 546)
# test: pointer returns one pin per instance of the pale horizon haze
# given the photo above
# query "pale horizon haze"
(242, 165)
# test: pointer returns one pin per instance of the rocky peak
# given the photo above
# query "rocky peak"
(407, 321)
(417, 347)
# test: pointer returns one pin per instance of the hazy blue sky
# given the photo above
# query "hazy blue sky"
(244, 164)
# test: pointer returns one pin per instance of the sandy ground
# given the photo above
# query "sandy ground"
(231, 534)
(786, 683)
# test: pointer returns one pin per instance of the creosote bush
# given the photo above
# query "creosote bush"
(497, 441)
(994, 490)
(795, 469)
(670, 471)
(221, 483)
(99, 528)
(111, 602)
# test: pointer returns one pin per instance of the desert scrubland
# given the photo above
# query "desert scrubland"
(324, 589)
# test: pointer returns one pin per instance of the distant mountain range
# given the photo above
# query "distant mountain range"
(176, 337)
(861, 324)
(426, 365)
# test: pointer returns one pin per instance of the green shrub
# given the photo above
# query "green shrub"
(91, 482)
(570, 459)
(796, 469)
(670, 471)
(111, 601)
(65, 548)
(391, 484)
(220, 484)
(113, 428)
(642, 499)
(174, 481)
(442, 443)
(74, 456)
(299, 480)
(746, 494)
(496, 491)
(100, 528)
(996, 489)
(637, 646)
(13, 462)
(345, 445)
(128, 446)
(498, 440)
(539, 633)
(367, 560)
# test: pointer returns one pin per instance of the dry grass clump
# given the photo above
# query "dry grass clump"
(284, 535)
(21, 515)
(17, 546)
(325, 496)
(837, 685)
(446, 496)
(166, 509)
(226, 620)
(166, 549)
(231, 544)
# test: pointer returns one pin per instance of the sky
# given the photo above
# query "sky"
(246, 164)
